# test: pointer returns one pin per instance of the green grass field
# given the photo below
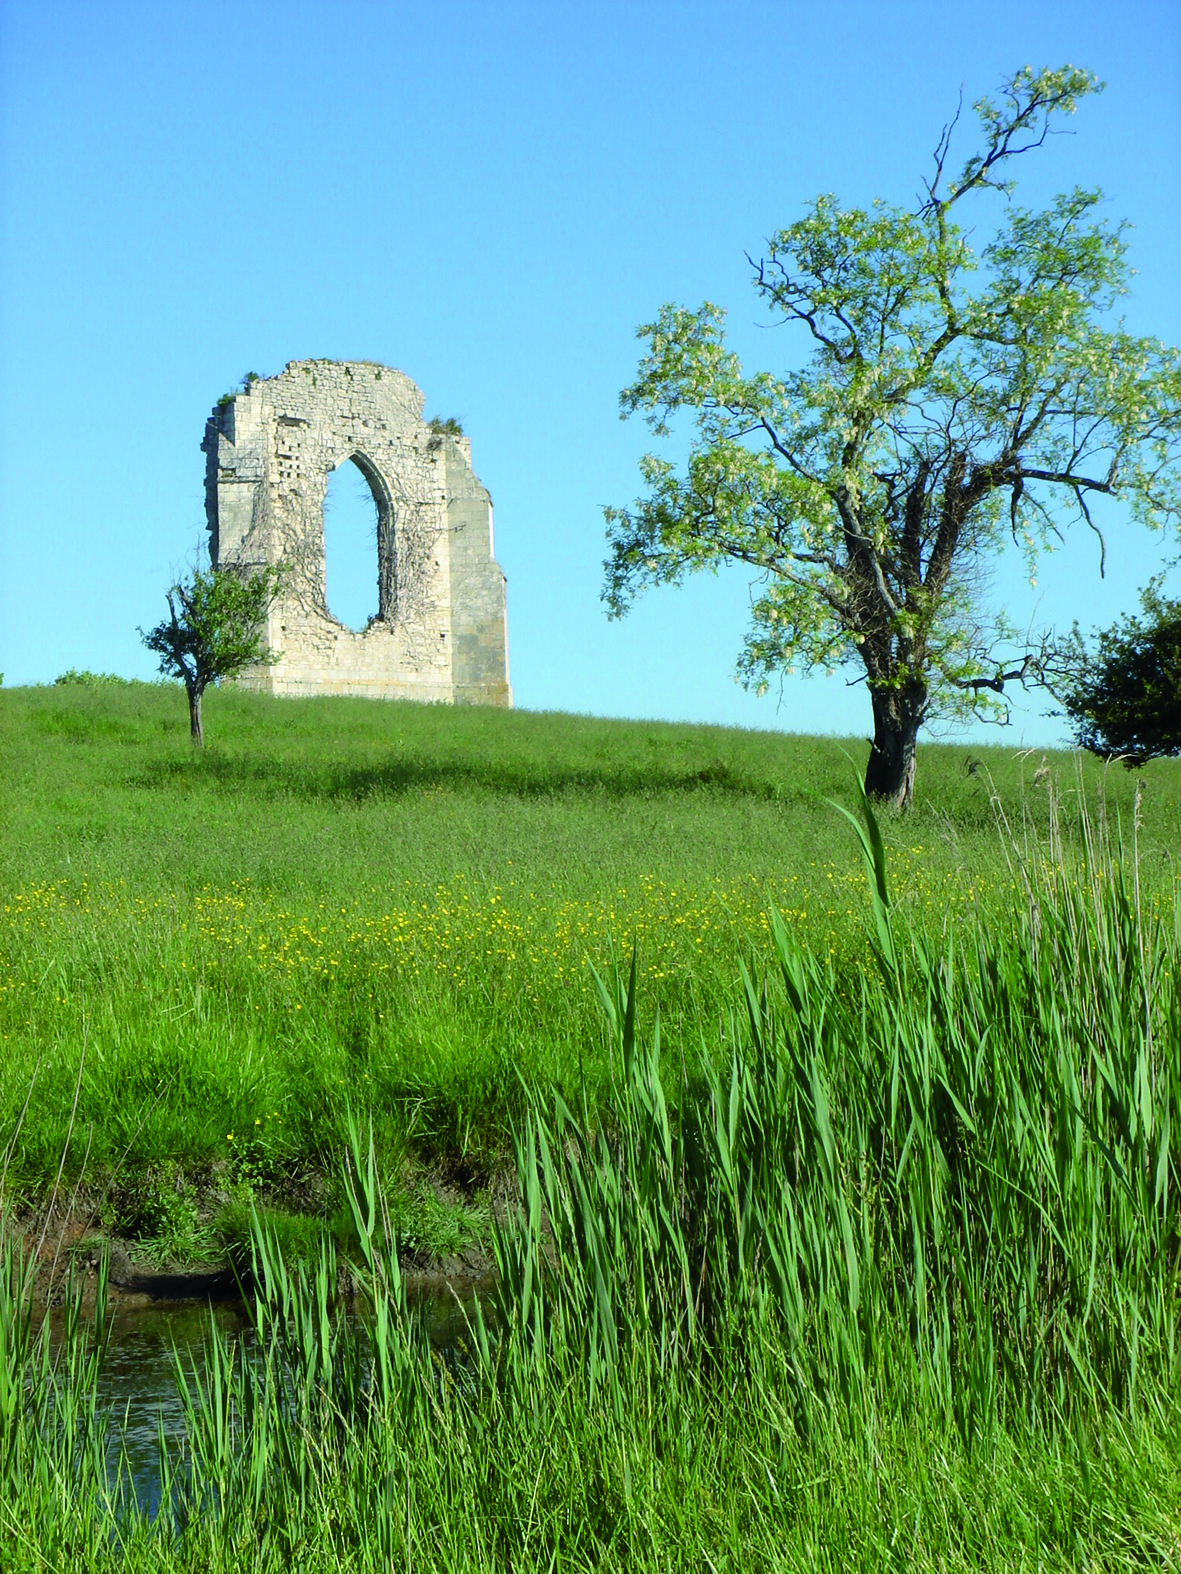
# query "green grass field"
(855, 1242)
(389, 908)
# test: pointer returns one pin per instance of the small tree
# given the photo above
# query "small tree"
(1126, 698)
(213, 631)
(950, 401)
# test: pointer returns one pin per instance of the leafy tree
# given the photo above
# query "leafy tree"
(1126, 698)
(949, 401)
(213, 631)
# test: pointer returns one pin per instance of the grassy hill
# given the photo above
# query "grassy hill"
(874, 1264)
(390, 908)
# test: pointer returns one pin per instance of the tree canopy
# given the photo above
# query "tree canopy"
(213, 631)
(951, 400)
(1125, 699)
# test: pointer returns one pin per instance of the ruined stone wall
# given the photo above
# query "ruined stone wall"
(440, 630)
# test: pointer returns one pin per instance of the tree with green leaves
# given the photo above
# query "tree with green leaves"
(214, 630)
(1125, 697)
(949, 401)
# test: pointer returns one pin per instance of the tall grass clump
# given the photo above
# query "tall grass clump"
(893, 1281)
(957, 1180)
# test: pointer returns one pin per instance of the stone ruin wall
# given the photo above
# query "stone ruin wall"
(440, 632)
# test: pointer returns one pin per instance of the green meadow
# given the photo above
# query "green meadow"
(829, 1171)
(210, 958)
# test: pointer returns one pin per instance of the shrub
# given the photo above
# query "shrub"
(90, 680)
(1126, 699)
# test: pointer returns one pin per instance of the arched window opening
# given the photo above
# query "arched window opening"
(351, 571)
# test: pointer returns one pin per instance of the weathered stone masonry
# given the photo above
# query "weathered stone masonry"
(440, 632)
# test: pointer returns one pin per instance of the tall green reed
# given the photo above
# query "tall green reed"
(62, 1484)
(963, 1163)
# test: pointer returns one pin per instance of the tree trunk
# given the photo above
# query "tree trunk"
(195, 718)
(897, 716)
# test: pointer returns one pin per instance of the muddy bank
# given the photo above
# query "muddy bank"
(69, 1248)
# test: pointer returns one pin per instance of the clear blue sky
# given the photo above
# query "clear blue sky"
(490, 197)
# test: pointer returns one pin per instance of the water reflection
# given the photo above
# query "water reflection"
(137, 1388)
(137, 1384)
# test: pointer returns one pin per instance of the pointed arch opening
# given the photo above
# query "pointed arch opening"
(358, 545)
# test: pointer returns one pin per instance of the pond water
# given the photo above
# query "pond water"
(137, 1386)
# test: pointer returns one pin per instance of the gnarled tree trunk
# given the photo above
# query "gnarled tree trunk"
(897, 716)
(195, 717)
